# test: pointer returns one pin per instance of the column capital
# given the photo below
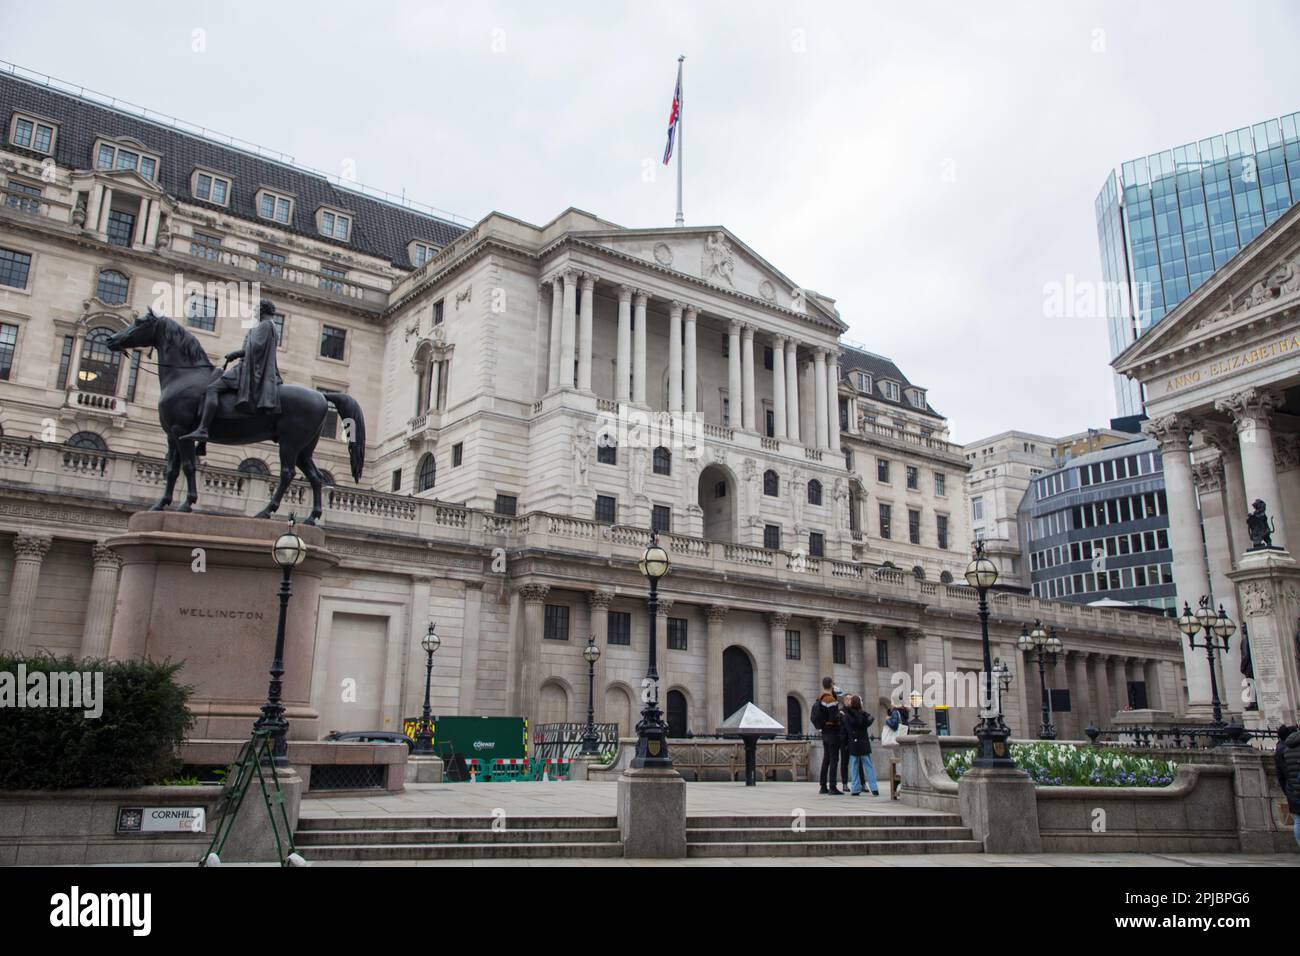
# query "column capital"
(1222, 437)
(716, 613)
(600, 598)
(1250, 408)
(1169, 431)
(31, 545)
(588, 280)
(640, 298)
(534, 593)
(625, 293)
(691, 313)
(675, 307)
(867, 630)
(826, 625)
(105, 557)
(778, 341)
(664, 606)
(777, 619)
(912, 635)
(568, 274)
(1207, 474)
(747, 331)
(735, 326)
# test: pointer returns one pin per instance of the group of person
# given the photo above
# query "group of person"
(845, 726)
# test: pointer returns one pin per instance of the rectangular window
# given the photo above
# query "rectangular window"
(23, 197)
(437, 312)
(31, 133)
(767, 357)
(333, 342)
(270, 263)
(204, 246)
(423, 253)
(606, 453)
(772, 537)
(507, 505)
(882, 652)
(201, 312)
(606, 509)
(939, 485)
(457, 454)
(769, 423)
(941, 530)
(977, 509)
(397, 479)
(839, 649)
(620, 628)
(273, 207)
(884, 520)
(211, 188)
(913, 526)
(792, 645)
(335, 225)
(882, 470)
(331, 279)
(913, 478)
(661, 519)
(556, 626)
(816, 544)
(121, 227)
(65, 360)
(8, 344)
(14, 267)
(677, 633)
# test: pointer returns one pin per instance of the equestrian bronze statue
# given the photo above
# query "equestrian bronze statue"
(243, 405)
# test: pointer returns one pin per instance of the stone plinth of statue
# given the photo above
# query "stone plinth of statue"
(204, 589)
(1268, 594)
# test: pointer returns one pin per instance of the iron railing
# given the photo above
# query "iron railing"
(1184, 737)
(564, 741)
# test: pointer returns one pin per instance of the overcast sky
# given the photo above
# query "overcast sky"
(930, 166)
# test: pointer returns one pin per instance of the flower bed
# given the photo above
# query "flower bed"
(1065, 765)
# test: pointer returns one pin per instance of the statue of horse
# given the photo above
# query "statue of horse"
(183, 374)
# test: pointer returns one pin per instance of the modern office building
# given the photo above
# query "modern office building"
(1097, 529)
(1167, 221)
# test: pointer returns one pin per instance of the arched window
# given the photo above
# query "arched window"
(87, 440)
(427, 473)
(793, 715)
(678, 714)
(99, 366)
(945, 577)
(255, 466)
(111, 287)
(663, 461)
(771, 485)
(918, 572)
(814, 492)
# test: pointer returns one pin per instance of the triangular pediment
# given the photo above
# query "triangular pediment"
(715, 256)
(1260, 279)
(130, 178)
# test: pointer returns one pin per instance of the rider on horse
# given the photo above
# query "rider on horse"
(255, 380)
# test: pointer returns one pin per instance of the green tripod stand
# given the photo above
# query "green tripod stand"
(255, 757)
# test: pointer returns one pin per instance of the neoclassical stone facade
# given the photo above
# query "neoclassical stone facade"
(538, 397)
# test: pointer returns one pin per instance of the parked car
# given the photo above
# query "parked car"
(372, 736)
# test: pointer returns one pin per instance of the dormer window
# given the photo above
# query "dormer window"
(916, 397)
(889, 390)
(210, 187)
(110, 155)
(422, 252)
(333, 225)
(274, 206)
(862, 382)
(31, 133)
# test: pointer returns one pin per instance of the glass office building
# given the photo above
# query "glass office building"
(1167, 222)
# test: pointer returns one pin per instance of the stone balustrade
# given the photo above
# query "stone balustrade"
(136, 481)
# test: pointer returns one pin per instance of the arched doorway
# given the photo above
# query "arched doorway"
(554, 705)
(678, 714)
(737, 680)
(618, 710)
(717, 499)
(793, 715)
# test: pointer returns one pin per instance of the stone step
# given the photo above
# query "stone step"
(388, 836)
(393, 822)
(828, 820)
(833, 848)
(463, 851)
(826, 834)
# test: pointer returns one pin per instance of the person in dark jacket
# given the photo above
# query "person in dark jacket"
(1286, 757)
(857, 741)
(844, 740)
(826, 718)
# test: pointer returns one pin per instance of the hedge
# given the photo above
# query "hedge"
(133, 743)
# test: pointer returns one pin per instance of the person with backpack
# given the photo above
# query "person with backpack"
(1286, 758)
(857, 743)
(826, 718)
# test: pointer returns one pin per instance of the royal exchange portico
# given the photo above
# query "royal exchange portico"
(537, 398)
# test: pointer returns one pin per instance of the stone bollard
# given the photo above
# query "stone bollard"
(424, 768)
(1001, 808)
(652, 813)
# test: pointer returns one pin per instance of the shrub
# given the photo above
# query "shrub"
(133, 743)
(1065, 765)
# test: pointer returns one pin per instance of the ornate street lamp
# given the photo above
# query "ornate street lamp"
(424, 739)
(1002, 674)
(916, 724)
(288, 551)
(651, 731)
(591, 654)
(1043, 648)
(1218, 629)
(992, 731)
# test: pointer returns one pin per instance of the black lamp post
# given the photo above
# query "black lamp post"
(992, 731)
(424, 739)
(591, 654)
(1002, 674)
(1218, 629)
(1043, 648)
(651, 731)
(288, 551)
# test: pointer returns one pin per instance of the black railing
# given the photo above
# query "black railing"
(563, 741)
(1185, 737)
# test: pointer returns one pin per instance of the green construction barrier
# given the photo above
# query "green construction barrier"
(484, 739)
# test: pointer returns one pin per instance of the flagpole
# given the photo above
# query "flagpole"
(681, 139)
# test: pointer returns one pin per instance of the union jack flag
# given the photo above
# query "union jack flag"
(674, 116)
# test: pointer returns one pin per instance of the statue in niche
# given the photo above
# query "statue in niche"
(841, 503)
(1259, 526)
(637, 469)
(581, 455)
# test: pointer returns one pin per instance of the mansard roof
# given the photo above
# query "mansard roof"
(381, 229)
(882, 369)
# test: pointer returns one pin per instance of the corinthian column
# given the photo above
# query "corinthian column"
(568, 329)
(734, 396)
(747, 363)
(585, 332)
(819, 397)
(833, 401)
(599, 601)
(826, 648)
(638, 355)
(623, 359)
(776, 624)
(534, 598)
(778, 385)
(29, 552)
(713, 703)
(1191, 574)
(792, 389)
(689, 399)
(99, 609)
(557, 333)
(675, 358)
(870, 668)
(1252, 412)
